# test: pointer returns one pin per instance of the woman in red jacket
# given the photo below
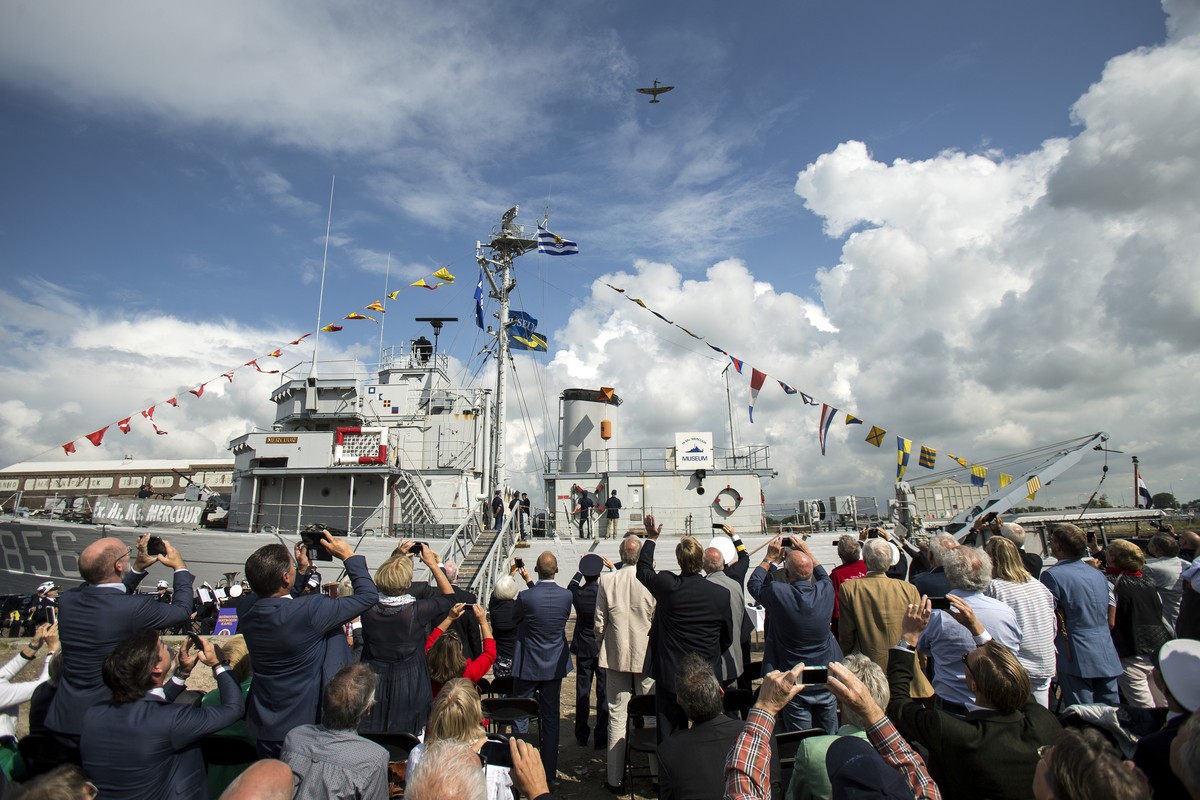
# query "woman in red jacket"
(444, 652)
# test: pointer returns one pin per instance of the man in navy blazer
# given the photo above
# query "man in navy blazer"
(691, 615)
(541, 658)
(97, 616)
(287, 636)
(143, 746)
(1088, 665)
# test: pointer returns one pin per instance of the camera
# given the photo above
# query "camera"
(156, 546)
(939, 603)
(814, 675)
(414, 549)
(311, 536)
(519, 562)
(788, 541)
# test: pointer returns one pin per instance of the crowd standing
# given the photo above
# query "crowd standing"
(986, 674)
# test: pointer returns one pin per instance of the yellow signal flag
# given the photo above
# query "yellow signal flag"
(876, 435)
(393, 295)
(444, 274)
(377, 306)
(356, 315)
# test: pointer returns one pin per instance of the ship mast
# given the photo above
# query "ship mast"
(508, 241)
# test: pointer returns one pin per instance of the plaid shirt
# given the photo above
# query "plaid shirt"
(748, 765)
(895, 751)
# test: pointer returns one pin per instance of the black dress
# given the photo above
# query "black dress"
(504, 631)
(394, 648)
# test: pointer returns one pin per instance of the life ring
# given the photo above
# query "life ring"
(727, 500)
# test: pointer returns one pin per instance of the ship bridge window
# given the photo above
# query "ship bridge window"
(268, 463)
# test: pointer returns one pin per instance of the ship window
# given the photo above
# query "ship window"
(268, 463)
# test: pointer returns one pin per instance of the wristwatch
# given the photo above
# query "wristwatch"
(904, 645)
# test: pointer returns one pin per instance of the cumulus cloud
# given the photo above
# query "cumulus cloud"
(982, 304)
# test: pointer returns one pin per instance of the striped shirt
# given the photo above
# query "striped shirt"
(1034, 606)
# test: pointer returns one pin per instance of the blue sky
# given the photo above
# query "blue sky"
(167, 174)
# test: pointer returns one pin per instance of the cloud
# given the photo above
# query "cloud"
(983, 304)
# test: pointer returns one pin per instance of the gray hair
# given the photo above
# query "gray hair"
(451, 570)
(448, 770)
(348, 696)
(697, 690)
(713, 561)
(506, 588)
(631, 548)
(877, 555)
(968, 569)
(939, 545)
(871, 674)
(1013, 532)
(848, 548)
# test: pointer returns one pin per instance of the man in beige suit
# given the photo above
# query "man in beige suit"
(624, 611)
(872, 611)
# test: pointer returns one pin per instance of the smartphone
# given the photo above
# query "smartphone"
(519, 562)
(495, 754)
(788, 541)
(196, 641)
(156, 546)
(718, 526)
(811, 676)
(939, 603)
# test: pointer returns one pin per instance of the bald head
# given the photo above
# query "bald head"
(547, 565)
(713, 561)
(631, 548)
(799, 565)
(98, 561)
(268, 779)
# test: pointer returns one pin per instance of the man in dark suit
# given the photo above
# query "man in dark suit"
(540, 657)
(97, 616)
(691, 763)
(585, 588)
(288, 637)
(1088, 665)
(934, 583)
(1178, 678)
(141, 745)
(993, 750)
(691, 615)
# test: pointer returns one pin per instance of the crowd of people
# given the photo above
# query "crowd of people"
(980, 672)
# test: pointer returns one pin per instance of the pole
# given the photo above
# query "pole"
(383, 317)
(729, 406)
(324, 263)
(1137, 497)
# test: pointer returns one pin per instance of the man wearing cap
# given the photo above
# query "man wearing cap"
(1177, 676)
(584, 507)
(612, 515)
(585, 587)
(97, 616)
(44, 610)
(525, 507)
(164, 593)
(732, 661)
(497, 510)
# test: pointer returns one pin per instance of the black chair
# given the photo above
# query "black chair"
(502, 686)
(398, 745)
(227, 751)
(786, 745)
(637, 736)
(738, 701)
(510, 710)
(40, 753)
(754, 671)
(484, 687)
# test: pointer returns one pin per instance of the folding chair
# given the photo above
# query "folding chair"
(398, 745)
(637, 736)
(509, 710)
(738, 701)
(786, 745)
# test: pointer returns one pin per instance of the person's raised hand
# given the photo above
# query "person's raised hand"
(528, 774)
(963, 614)
(302, 562)
(188, 657)
(337, 546)
(457, 610)
(729, 531)
(778, 689)
(40, 634)
(480, 613)
(172, 559)
(143, 560)
(401, 548)
(212, 654)
(916, 618)
(846, 687)
(652, 531)
(608, 564)
(775, 550)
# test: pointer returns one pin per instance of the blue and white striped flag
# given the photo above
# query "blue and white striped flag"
(553, 245)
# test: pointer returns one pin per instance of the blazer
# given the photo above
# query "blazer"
(691, 762)
(289, 637)
(932, 584)
(149, 748)
(988, 754)
(1081, 594)
(872, 612)
(583, 598)
(691, 616)
(731, 659)
(541, 613)
(92, 621)
(466, 626)
(624, 614)
(799, 612)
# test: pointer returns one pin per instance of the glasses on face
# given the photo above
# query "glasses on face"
(966, 664)
(128, 553)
